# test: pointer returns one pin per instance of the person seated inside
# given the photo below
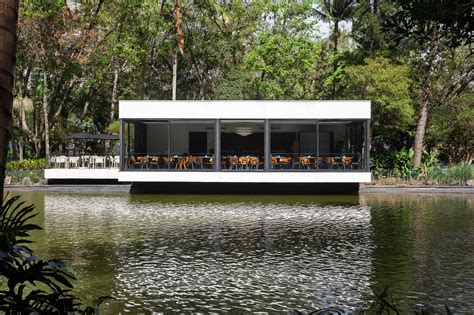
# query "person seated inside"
(341, 148)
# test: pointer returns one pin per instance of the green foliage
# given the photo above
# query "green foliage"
(451, 129)
(17, 175)
(27, 283)
(403, 163)
(35, 164)
(399, 164)
(281, 65)
(387, 85)
(114, 128)
(247, 50)
(457, 174)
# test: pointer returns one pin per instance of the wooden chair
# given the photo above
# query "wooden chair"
(305, 162)
(244, 162)
(285, 162)
(254, 163)
(154, 161)
(330, 161)
(274, 162)
(319, 162)
(346, 162)
(233, 162)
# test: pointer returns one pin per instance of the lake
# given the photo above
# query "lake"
(261, 253)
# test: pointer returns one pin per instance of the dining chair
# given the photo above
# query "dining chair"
(285, 162)
(305, 162)
(254, 163)
(330, 162)
(244, 162)
(154, 161)
(233, 162)
(346, 162)
(274, 162)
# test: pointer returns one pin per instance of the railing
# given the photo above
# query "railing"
(141, 161)
(92, 161)
(279, 162)
(322, 162)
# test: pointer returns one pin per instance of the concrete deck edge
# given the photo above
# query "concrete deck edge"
(71, 188)
(363, 189)
(416, 189)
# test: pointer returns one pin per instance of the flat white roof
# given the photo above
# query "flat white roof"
(244, 109)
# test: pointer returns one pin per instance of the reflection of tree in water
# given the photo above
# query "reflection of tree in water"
(422, 245)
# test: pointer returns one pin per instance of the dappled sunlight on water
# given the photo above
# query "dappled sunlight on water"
(261, 253)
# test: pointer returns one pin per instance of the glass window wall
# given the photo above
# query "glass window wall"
(187, 145)
(242, 145)
(293, 145)
(192, 145)
(341, 145)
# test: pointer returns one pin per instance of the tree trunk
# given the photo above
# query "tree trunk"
(425, 101)
(20, 151)
(45, 113)
(336, 39)
(175, 71)
(14, 148)
(114, 96)
(8, 22)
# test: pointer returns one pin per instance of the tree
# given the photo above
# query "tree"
(336, 11)
(281, 66)
(451, 129)
(430, 29)
(387, 84)
(8, 25)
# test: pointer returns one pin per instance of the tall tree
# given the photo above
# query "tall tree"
(335, 12)
(431, 29)
(8, 22)
(178, 28)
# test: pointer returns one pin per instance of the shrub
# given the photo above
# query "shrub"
(457, 174)
(18, 175)
(35, 164)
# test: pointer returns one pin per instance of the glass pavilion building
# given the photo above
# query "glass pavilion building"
(244, 146)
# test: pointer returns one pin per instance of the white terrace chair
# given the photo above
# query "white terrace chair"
(52, 161)
(73, 161)
(62, 160)
(116, 161)
(99, 161)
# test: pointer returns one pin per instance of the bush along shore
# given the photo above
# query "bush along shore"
(25, 172)
(397, 168)
(390, 168)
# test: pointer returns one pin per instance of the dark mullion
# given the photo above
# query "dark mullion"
(317, 144)
(217, 145)
(169, 144)
(266, 146)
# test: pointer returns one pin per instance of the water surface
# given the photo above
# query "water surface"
(262, 253)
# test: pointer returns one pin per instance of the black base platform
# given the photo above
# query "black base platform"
(84, 182)
(245, 188)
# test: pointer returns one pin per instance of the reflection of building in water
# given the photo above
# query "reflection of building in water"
(214, 255)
